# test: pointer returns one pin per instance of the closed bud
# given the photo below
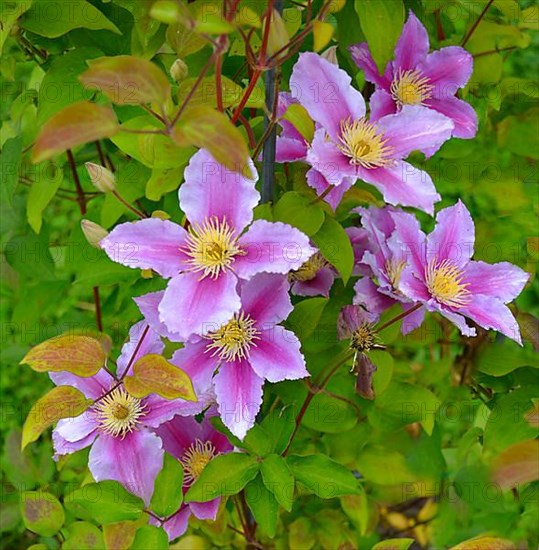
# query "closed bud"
(102, 178)
(93, 232)
(179, 70)
(331, 55)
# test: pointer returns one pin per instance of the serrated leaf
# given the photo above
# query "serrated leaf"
(80, 355)
(168, 494)
(263, 505)
(224, 475)
(41, 512)
(60, 402)
(127, 80)
(278, 478)
(154, 374)
(79, 123)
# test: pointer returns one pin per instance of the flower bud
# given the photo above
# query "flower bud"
(179, 70)
(102, 178)
(331, 55)
(93, 232)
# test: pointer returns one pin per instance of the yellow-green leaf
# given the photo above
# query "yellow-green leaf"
(81, 355)
(394, 544)
(485, 543)
(120, 535)
(41, 512)
(127, 80)
(154, 374)
(60, 402)
(297, 115)
(322, 33)
(78, 123)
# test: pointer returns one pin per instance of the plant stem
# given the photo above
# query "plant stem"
(97, 302)
(127, 205)
(476, 24)
(399, 317)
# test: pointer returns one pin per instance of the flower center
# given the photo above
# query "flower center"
(118, 413)
(394, 271)
(308, 270)
(195, 459)
(363, 338)
(234, 339)
(211, 247)
(411, 88)
(361, 141)
(444, 281)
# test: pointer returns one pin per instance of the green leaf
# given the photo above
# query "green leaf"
(74, 125)
(298, 116)
(305, 316)
(60, 402)
(501, 358)
(162, 182)
(119, 536)
(52, 18)
(323, 476)
(257, 441)
(150, 537)
(168, 494)
(263, 505)
(381, 23)
(329, 414)
(48, 180)
(80, 355)
(280, 426)
(224, 475)
(10, 161)
(278, 478)
(127, 80)
(11, 11)
(294, 209)
(209, 129)
(334, 244)
(41, 512)
(107, 502)
(394, 544)
(29, 254)
(83, 536)
(154, 374)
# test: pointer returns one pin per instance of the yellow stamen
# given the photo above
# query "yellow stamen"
(308, 270)
(195, 459)
(444, 281)
(363, 338)
(411, 88)
(118, 413)
(394, 271)
(234, 339)
(361, 141)
(212, 247)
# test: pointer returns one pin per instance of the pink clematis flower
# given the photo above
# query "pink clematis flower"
(441, 275)
(119, 427)
(314, 278)
(205, 263)
(348, 145)
(194, 444)
(416, 77)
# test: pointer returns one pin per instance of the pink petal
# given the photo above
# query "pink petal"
(178, 434)
(415, 128)
(206, 510)
(147, 244)
(326, 92)
(92, 386)
(453, 237)
(359, 238)
(149, 341)
(290, 150)
(271, 247)
(503, 280)
(413, 320)
(319, 286)
(265, 298)
(176, 525)
(412, 46)
(149, 307)
(161, 410)
(289, 130)
(414, 288)
(381, 104)
(239, 396)
(211, 190)
(366, 294)
(277, 356)
(133, 461)
(458, 320)
(193, 306)
(363, 59)
(403, 184)
(461, 113)
(448, 69)
(64, 447)
(319, 183)
(77, 428)
(408, 242)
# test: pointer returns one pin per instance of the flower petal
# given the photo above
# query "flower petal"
(326, 92)
(412, 320)
(271, 247)
(448, 69)
(415, 128)
(290, 150)
(64, 447)
(319, 286)
(193, 306)
(458, 320)
(147, 244)
(179, 434)
(92, 386)
(408, 242)
(176, 525)
(160, 410)
(206, 510)
(239, 396)
(149, 307)
(363, 59)
(366, 294)
(412, 46)
(453, 237)
(503, 280)
(403, 184)
(461, 113)
(381, 104)
(77, 428)
(265, 298)
(147, 340)
(211, 190)
(320, 184)
(277, 356)
(133, 461)
(413, 287)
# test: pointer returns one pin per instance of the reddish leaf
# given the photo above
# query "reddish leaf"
(517, 464)
(127, 80)
(78, 123)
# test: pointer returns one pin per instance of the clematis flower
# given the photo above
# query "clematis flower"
(348, 145)
(194, 444)
(205, 262)
(416, 77)
(118, 426)
(314, 278)
(441, 275)
(384, 266)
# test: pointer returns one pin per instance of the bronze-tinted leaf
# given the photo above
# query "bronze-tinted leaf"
(517, 464)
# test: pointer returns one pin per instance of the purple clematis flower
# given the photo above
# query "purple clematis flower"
(205, 263)
(314, 278)
(347, 145)
(441, 275)
(194, 444)
(416, 77)
(119, 427)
